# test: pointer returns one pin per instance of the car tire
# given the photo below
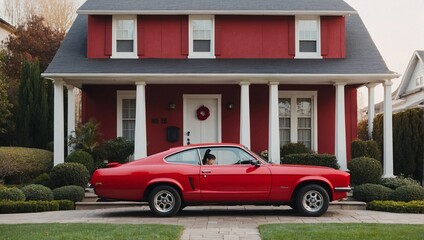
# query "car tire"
(164, 201)
(293, 205)
(312, 200)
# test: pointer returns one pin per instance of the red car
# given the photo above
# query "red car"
(181, 176)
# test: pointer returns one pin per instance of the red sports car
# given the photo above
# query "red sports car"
(219, 174)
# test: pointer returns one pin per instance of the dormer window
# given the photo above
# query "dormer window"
(308, 37)
(124, 32)
(201, 36)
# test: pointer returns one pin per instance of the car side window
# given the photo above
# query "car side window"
(187, 157)
(227, 155)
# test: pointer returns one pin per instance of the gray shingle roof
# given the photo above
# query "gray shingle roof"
(421, 54)
(173, 5)
(362, 57)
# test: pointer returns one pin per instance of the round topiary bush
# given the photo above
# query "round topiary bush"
(37, 192)
(80, 156)
(407, 193)
(43, 179)
(72, 193)
(369, 192)
(65, 174)
(12, 194)
(364, 170)
(398, 181)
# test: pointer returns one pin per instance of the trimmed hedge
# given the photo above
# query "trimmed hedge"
(72, 193)
(294, 148)
(65, 205)
(314, 159)
(118, 150)
(397, 207)
(65, 174)
(42, 179)
(369, 192)
(364, 170)
(407, 193)
(37, 192)
(34, 206)
(12, 194)
(80, 156)
(25, 163)
(365, 149)
(398, 181)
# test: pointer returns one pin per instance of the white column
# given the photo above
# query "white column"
(371, 108)
(273, 128)
(71, 114)
(340, 130)
(244, 114)
(140, 142)
(59, 135)
(387, 131)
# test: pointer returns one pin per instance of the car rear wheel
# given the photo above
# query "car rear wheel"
(312, 200)
(164, 201)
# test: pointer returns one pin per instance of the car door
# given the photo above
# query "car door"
(232, 177)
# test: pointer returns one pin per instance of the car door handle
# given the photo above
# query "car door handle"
(206, 171)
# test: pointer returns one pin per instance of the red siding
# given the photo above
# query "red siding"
(161, 36)
(333, 34)
(252, 37)
(99, 36)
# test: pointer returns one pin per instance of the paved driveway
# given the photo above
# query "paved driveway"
(213, 222)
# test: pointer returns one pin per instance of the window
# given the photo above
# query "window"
(298, 118)
(228, 155)
(419, 81)
(124, 33)
(126, 108)
(308, 37)
(186, 157)
(201, 37)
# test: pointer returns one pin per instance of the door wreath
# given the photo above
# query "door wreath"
(202, 113)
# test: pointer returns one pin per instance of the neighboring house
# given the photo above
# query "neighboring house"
(260, 73)
(5, 30)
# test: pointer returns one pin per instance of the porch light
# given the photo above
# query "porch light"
(230, 105)
(171, 106)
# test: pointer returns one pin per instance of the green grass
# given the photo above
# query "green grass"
(341, 231)
(90, 231)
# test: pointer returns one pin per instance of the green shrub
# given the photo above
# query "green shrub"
(315, 159)
(65, 174)
(80, 156)
(43, 179)
(407, 193)
(398, 207)
(294, 148)
(98, 165)
(28, 206)
(66, 204)
(119, 149)
(72, 193)
(37, 192)
(364, 170)
(21, 165)
(363, 130)
(12, 194)
(398, 181)
(369, 192)
(365, 149)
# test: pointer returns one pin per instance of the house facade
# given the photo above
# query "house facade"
(5, 30)
(263, 74)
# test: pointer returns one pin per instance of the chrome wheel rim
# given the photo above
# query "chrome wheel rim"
(164, 201)
(313, 201)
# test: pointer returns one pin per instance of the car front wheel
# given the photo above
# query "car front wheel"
(312, 200)
(164, 201)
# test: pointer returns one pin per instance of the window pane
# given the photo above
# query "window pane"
(304, 107)
(284, 106)
(125, 30)
(307, 46)
(201, 46)
(128, 129)
(128, 119)
(308, 30)
(187, 157)
(125, 46)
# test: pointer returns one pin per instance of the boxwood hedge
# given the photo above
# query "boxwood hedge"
(12, 194)
(315, 159)
(37, 192)
(35, 206)
(396, 206)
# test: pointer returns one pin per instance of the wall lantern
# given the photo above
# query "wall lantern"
(171, 105)
(230, 106)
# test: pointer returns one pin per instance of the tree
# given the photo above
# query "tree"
(5, 106)
(31, 124)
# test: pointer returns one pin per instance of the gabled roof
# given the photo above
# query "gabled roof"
(294, 7)
(7, 26)
(417, 57)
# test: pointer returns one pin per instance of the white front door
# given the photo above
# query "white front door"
(198, 130)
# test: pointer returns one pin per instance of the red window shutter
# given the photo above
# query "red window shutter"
(324, 36)
(140, 36)
(218, 32)
(108, 35)
(184, 35)
(292, 36)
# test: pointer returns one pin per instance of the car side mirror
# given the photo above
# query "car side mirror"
(255, 163)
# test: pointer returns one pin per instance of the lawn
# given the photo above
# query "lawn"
(341, 231)
(90, 231)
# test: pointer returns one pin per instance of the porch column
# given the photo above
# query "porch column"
(273, 128)
(340, 130)
(59, 135)
(371, 108)
(245, 115)
(387, 131)
(140, 142)
(71, 114)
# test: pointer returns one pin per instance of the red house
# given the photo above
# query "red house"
(260, 73)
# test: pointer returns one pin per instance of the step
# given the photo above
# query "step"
(104, 205)
(348, 205)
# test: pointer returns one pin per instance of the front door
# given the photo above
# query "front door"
(202, 119)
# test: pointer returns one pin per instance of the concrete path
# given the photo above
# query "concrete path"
(212, 222)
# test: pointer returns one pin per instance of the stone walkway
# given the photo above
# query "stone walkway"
(212, 222)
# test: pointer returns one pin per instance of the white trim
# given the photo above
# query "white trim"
(193, 54)
(126, 55)
(308, 55)
(120, 95)
(202, 96)
(293, 95)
